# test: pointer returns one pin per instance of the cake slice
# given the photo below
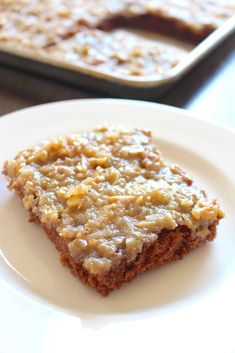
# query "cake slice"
(111, 204)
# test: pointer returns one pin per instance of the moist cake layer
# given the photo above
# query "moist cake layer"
(186, 19)
(108, 194)
(35, 24)
(41, 28)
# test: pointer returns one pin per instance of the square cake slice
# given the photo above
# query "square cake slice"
(111, 204)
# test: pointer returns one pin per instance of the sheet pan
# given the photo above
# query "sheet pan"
(147, 88)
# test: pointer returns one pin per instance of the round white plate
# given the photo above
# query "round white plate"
(184, 306)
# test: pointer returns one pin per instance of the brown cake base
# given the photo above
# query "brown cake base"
(158, 23)
(170, 246)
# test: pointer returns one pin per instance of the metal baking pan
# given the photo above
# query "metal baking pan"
(147, 88)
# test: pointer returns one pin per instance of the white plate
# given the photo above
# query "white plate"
(186, 304)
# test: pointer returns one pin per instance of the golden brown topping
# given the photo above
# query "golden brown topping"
(108, 193)
(79, 190)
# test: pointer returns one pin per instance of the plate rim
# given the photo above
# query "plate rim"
(34, 297)
(164, 107)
